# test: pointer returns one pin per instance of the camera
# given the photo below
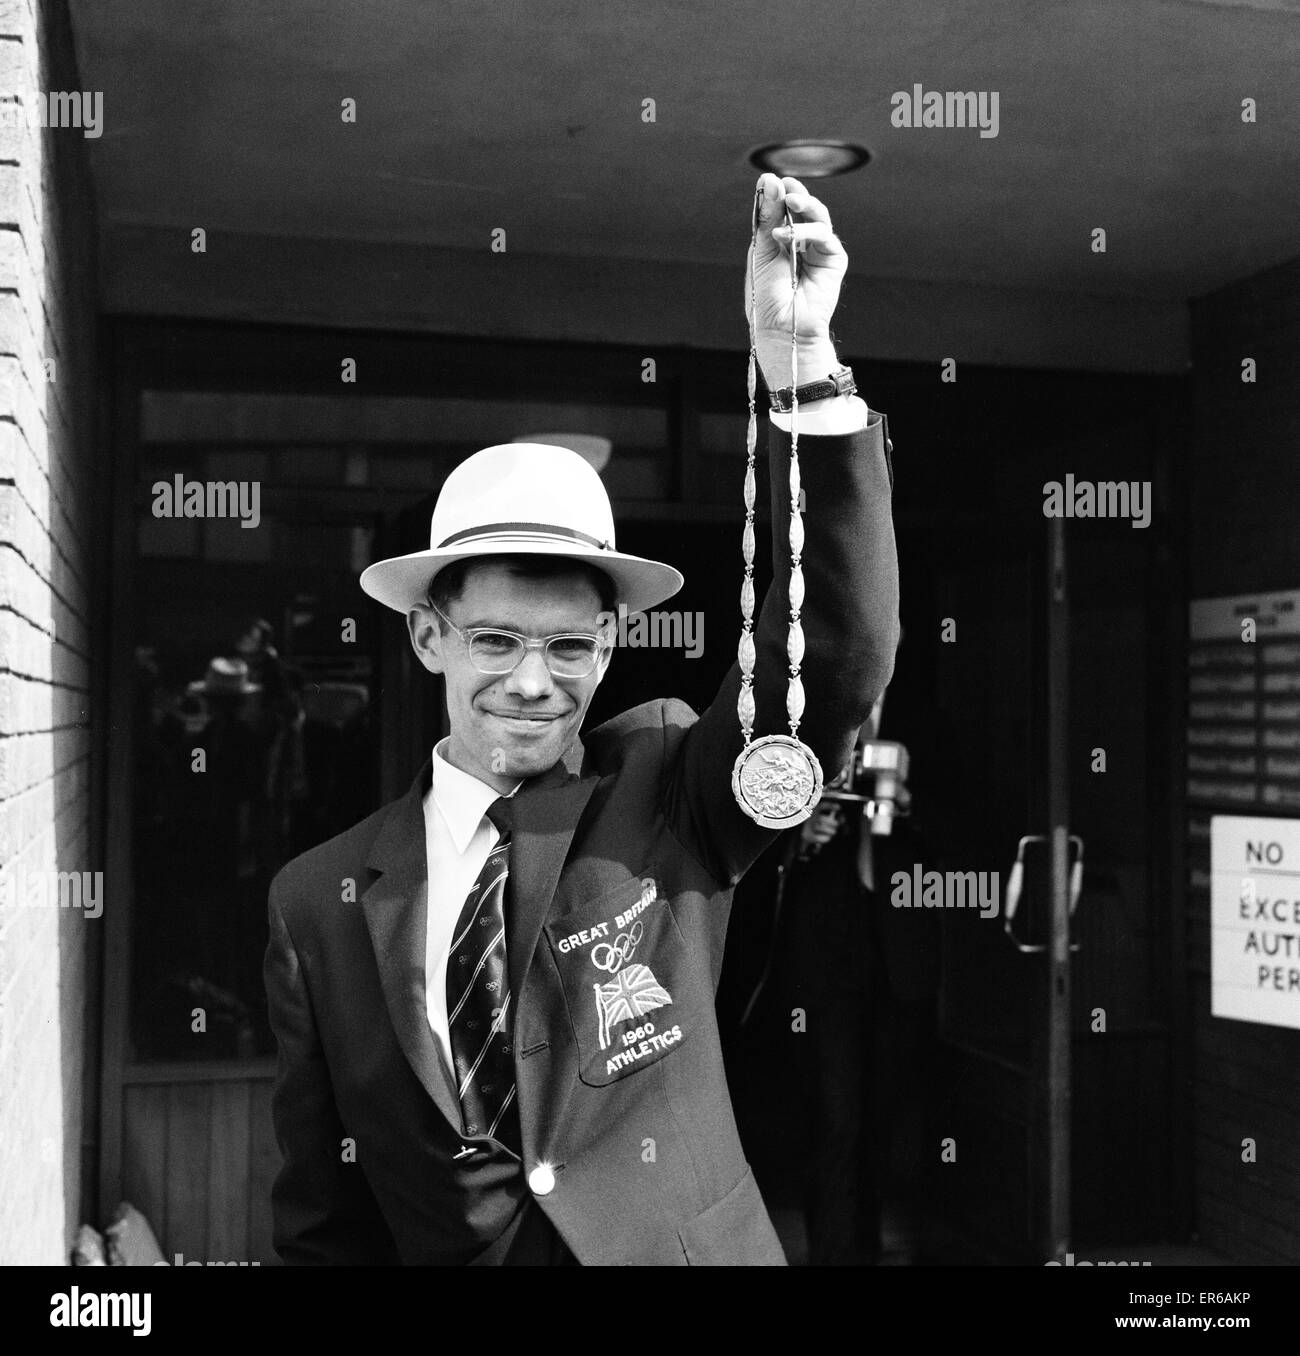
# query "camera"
(875, 778)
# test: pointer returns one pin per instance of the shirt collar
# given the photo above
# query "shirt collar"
(461, 799)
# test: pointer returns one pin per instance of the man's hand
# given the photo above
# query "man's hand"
(816, 832)
(822, 263)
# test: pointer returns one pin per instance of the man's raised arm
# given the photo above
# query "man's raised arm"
(850, 563)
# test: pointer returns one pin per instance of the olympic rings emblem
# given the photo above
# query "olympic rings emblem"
(610, 958)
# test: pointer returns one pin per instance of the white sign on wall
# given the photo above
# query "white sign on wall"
(1255, 919)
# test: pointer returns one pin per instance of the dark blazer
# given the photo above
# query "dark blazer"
(621, 1089)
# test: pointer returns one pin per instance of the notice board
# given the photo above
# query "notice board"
(1243, 799)
(1255, 919)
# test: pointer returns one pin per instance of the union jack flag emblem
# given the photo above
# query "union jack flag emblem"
(634, 992)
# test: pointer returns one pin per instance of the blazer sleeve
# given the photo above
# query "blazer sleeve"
(850, 625)
(323, 1211)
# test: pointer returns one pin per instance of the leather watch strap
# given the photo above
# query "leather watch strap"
(840, 382)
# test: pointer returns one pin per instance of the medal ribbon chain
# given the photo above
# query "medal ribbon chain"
(794, 645)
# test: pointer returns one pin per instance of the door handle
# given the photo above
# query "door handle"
(1016, 882)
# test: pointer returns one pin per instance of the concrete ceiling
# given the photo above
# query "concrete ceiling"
(527, 114)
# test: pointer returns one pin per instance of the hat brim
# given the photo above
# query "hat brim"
(402, 582)
(200, 687)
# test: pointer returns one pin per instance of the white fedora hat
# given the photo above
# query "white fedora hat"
(521, 499)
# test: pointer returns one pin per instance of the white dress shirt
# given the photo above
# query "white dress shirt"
(458, 836)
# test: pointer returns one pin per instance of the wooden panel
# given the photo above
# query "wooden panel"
(144, 1155)
(228, 1173)
(199, 1157)
(264, 1163)
(189, 1106)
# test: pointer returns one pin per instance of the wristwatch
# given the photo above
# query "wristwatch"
(840, 382)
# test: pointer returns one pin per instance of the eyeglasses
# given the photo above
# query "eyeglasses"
(492, 650)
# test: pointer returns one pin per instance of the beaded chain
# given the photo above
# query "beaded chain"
(794, 645)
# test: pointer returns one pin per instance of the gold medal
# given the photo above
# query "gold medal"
(777, 780)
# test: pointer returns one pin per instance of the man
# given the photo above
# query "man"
(863, 977)
(494, 997)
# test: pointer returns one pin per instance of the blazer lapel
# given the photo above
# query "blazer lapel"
(395, 909)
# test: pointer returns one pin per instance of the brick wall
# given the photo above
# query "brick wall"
(1244, 536)
(49, 566)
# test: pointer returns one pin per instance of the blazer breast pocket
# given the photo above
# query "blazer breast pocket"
(627, 980)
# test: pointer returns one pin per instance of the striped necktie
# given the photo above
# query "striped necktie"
(478, 999)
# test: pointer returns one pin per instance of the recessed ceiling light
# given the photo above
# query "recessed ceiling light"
(810, 159)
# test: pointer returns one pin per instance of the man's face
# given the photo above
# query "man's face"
(507, 726)
(249, 643)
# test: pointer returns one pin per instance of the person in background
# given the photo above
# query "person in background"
(834, 1002)
(278, 725)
